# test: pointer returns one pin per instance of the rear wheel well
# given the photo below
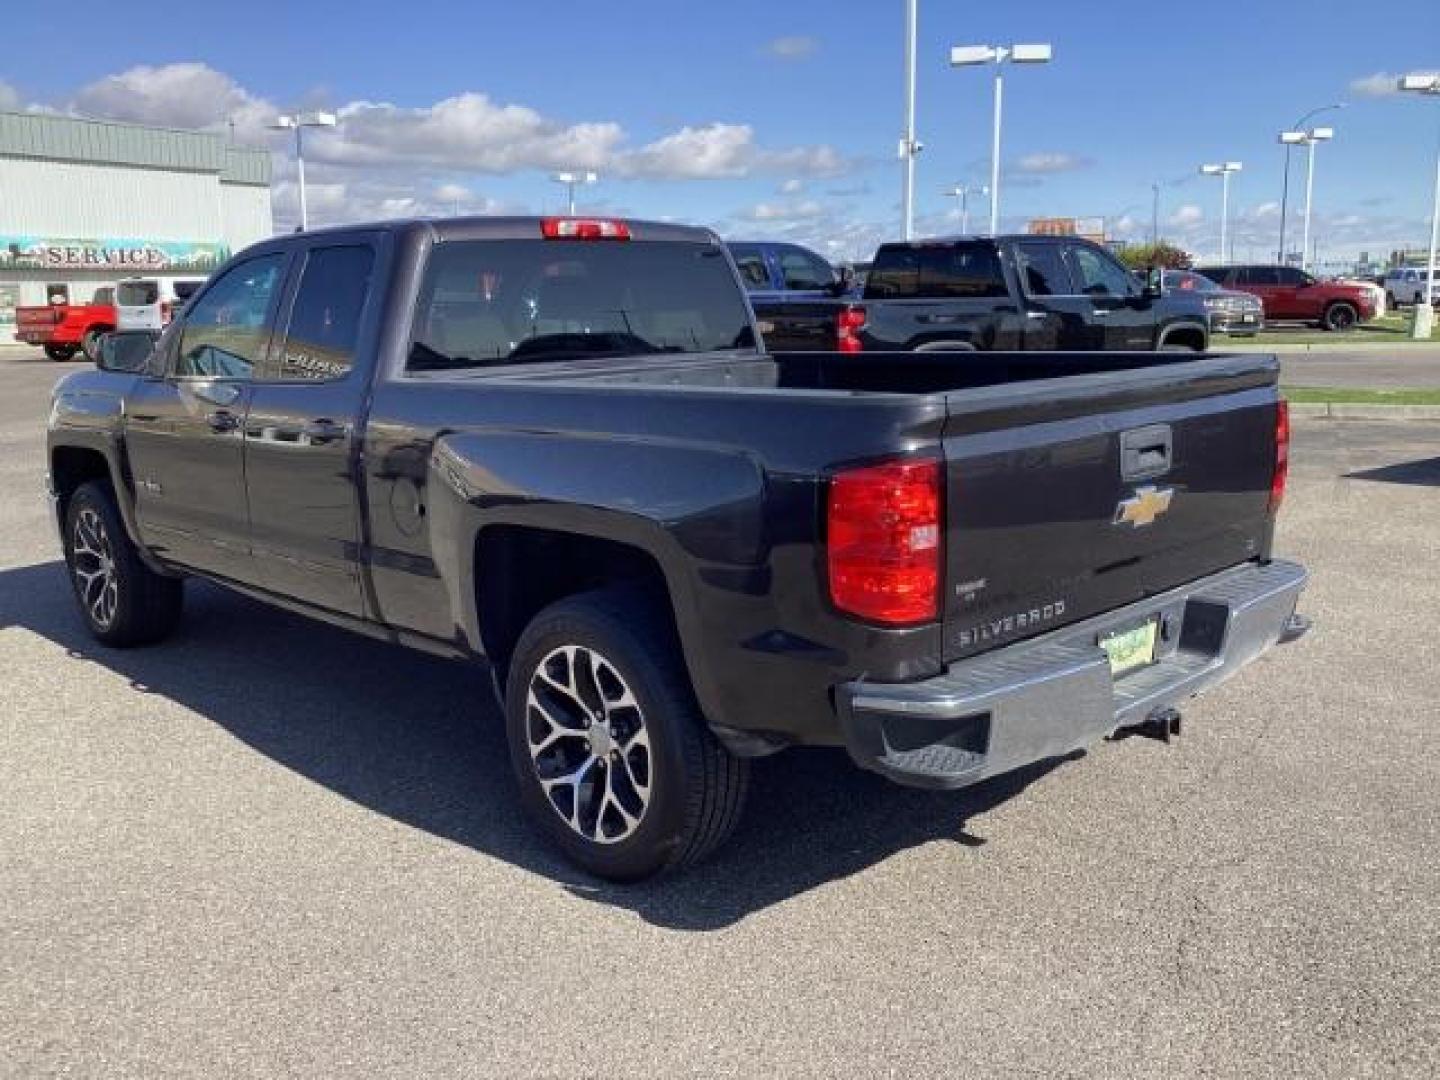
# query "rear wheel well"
(71, 466)
(519, 571)
(1186, 336)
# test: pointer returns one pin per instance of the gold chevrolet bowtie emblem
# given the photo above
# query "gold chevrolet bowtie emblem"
(1144, 506)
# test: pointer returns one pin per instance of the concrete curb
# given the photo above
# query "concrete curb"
(1338, 410)
(1281, 349)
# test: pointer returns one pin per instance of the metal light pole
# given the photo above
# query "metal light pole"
(571, 180)
(962, 193)
(909, 146)
(1223, 171)
(1427, 83)
(1155, 215)
(1310, 138)
(297, 122)
(1285, 184)
(971, 55)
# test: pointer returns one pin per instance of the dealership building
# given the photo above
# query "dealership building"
(85, 203)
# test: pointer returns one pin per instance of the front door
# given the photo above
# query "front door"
(1057, 316)
(183, 427)
(301, 429)
(1123, 319)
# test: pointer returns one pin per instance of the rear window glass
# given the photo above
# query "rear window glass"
(137, 293)
(325, 320)
(1043, 271)
(948, 271)
(485, 303)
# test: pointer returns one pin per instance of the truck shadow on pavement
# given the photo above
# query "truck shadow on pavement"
(418, 739)
(1423, 472)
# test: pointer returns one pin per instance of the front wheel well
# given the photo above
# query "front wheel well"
(71, 466)
(1189, 337)
(520, 571)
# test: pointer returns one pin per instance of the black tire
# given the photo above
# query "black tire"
(133, 605)
(90, 343)
(60, 353)
(1391, 304)
(680, 790)
(1179, 348)
(1339, 317)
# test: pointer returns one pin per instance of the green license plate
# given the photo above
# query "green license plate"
(1130, 649)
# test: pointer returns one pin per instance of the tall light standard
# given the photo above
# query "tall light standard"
(1307, 138)
(1223, 171)
(297, 122)
(909, 145)
(1285, 185)
(571, 180)
(1427, 83)
(962, 192)
(1155, 214)
(970, 56)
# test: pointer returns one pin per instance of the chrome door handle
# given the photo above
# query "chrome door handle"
(324, 431)
(1101, 313)
(222, 420)
(1036, 314)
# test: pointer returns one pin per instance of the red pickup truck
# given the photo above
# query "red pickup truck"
(62, 330)
(1291, 294)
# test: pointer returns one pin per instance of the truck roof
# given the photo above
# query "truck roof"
(975, 238)
(515, 228)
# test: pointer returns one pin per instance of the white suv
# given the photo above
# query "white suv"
(1406, 285)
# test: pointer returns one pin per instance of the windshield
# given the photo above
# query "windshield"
(490, 302)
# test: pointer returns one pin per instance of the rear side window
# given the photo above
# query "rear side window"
(137, 293)
(1043, 270)
(1259, 275)
(226, 330)
(485, 303)
(325, 320)
(949, 271)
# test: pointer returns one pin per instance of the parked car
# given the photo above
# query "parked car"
(1019, 292)
(62, 329)
(1293, 295)
(556, 445)
(792, 291)
(1406, 285)
(1234, 313)
(150, 303)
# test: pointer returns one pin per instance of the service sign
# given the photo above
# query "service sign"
(120, 256)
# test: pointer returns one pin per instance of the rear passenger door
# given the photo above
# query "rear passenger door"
(301, 431)
(1057, 315)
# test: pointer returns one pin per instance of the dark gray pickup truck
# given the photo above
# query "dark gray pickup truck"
(554, 445)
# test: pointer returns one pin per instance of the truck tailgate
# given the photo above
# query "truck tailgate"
(1070, 497)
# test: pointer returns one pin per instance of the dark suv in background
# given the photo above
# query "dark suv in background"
(1290, 294)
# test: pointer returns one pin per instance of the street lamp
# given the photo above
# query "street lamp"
(962, 193)
(1307, 138)
(1285, 185)
(571, 180)
(909, 145)
(297, 122)
(1427, 83)
(1223, 171)
(972, 55)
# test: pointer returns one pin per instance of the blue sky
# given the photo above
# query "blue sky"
(781, 119)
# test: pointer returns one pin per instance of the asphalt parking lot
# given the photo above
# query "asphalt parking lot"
(273, 848)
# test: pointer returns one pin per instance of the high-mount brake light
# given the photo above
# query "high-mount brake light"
(847, 322)
(883, 531)
(1282, 455)
(562, 228)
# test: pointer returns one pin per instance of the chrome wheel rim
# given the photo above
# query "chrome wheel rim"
(588, 744)
(92, 563)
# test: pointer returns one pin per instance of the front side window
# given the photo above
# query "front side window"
(1260, 275)
(325, 320)
(1043, 270)
(226, 329)
(1097, 274)
(751, 263)
(1288, 275)
(804, 271)
(485, 303)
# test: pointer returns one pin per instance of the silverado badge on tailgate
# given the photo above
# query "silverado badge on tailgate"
(1142, 508)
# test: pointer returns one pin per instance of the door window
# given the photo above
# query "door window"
(1288, 275)
(1097, 274)
(802, 270)
(938, 271)
(1260, 275)
(751, 263)
(227, 328)
(325, 320)
(1043, 270)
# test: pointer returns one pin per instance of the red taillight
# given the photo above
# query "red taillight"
(1282, 455)
(847, 322)
(883, 541)
(556, 228)
(164, 311)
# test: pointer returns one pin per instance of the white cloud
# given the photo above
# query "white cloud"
(1050, 162)
(1380, 84)
(807, 210)
(796, 47)
(1266, 211)
(793, 186)
(1187, 215)
(9, 96)
(188, 95)
(723, 150)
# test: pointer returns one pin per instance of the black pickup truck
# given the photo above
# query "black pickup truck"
(554, 445)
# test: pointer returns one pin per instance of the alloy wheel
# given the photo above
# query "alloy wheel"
(92, 563)
(589, 744)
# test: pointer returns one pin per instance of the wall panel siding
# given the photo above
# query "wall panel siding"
(70, 199)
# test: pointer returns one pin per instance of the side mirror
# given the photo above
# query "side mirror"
(125, 352)
(1154, 283)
